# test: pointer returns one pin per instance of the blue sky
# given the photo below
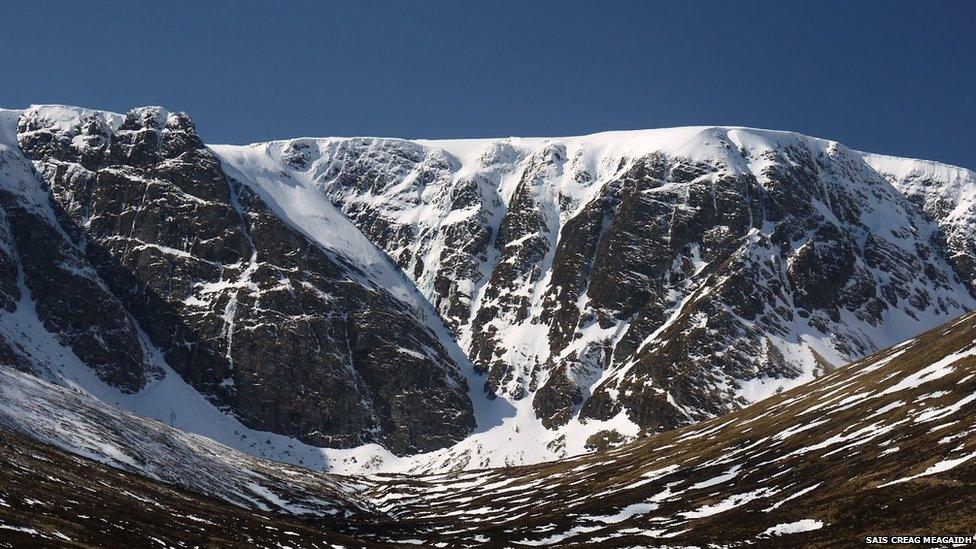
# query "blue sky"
(886, 76)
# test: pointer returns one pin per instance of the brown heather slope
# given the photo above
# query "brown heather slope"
(840, 451)
(50, 498)
(883, 446)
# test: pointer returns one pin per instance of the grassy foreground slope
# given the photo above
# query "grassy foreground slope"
(884, 446)
(50, 498)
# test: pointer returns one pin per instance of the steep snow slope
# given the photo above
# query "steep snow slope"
(628, 282)
(947, 194)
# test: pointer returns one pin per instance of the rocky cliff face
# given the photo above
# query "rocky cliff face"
(646, 279)
(48, 286)
(138, 241)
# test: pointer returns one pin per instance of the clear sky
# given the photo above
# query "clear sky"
(886, 75)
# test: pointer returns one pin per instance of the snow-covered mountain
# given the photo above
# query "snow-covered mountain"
(465, 303)
(629, 282)
(179, 312)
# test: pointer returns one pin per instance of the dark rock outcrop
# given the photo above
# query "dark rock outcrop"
(268, 324)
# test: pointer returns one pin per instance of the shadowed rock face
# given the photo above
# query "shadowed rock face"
(671, 282)
(266, 323)
(794, 245)
(45, 278)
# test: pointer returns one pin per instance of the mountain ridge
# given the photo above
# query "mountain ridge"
(434, 141)
(687, 335)
(16, 112)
